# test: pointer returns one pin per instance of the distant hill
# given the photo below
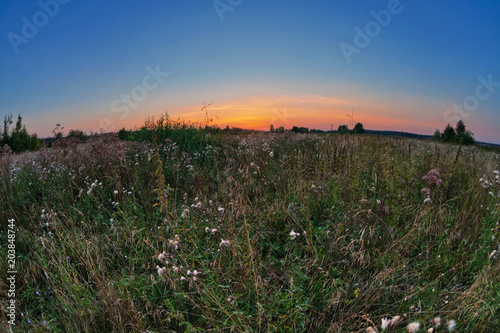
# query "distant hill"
(412, 135)
(397, 133)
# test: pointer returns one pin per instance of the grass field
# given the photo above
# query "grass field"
(187, 230)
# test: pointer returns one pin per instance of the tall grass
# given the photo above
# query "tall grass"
(92, 220)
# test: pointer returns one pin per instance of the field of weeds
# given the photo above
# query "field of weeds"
(184, 230)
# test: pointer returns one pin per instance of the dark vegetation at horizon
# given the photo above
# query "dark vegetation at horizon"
(18, 140)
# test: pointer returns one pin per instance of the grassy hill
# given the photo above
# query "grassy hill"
(181, 229)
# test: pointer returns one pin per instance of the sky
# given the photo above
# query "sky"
(409, 65)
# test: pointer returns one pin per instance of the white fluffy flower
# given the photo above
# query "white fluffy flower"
(385, 323)
(412, 328)
(161, 271)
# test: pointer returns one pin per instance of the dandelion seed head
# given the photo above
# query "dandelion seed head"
(413, 327)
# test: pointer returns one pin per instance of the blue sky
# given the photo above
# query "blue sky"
(266, 61)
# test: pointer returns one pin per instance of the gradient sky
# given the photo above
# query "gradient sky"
(256, 61)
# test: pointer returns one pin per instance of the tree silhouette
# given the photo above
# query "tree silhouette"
(343, 129)
(460, 129)
(449, 133)
(459, 134)
(358, 129)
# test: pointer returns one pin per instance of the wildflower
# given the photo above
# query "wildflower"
(231, 299)
(163, 256)
(175, 269)
(184, 213)
(430, 330)
(385, 323)
(492, 254)
(426, 191)
(433, 177)
(195, 279)
(115, 192)
(174, 243)
(427, 200)
(450, 325)
(161, 271)
(395, 321)
(189, 272)
(221, 210)
(413, 327)
(210, 231)
(271, 154)
(223, 243)
(196, 273)
(293, 235)
(436, 322)
(183, 279)
(370, 330)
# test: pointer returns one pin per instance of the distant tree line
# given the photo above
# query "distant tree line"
(18, 138)
(459, 134)
(280, 129)
(358, 129)
(343, 129)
